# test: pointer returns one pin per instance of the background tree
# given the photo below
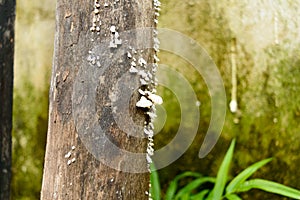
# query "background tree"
(7, 19)
(70, 171)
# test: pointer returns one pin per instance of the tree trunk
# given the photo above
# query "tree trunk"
(88, 36)
(7, 18)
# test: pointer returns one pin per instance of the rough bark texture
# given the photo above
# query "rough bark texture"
(7, 18)
(86, 177)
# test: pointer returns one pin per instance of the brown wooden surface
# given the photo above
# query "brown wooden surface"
(86, 177)
(7, 18)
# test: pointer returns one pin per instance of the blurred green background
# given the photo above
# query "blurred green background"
(268, 89)
(35, 28)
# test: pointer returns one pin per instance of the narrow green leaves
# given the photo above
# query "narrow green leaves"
(233, 197)
(244, 175)
(221, 179)
(174, 184)
(220, 191)
(192, 186)
(269, 186)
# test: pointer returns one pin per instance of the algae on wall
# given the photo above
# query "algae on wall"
(268, 84)
(267, 34)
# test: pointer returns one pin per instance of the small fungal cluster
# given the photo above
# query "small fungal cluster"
(138, 66)
(115, 37)
(93, 59)
(148, 99)
(96, 19)
(68, 156)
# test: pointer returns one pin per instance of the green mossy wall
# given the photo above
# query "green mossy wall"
(268, 73)
(268, 88)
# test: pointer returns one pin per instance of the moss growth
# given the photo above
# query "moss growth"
(268, 85)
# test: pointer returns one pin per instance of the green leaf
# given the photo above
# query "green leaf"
(244, 175)
(193, 185)
(185, 197)
(155, 186)
(200, 195)
(233, 197)
(269, 186)
(219, 187)
(173, 185)
(171, 190)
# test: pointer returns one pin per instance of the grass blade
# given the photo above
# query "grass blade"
(173, 185)
(244, 175)
(270, 186)
(233, 197)
(155, 186)
(193, 185)
(200, 195)
(221, 179)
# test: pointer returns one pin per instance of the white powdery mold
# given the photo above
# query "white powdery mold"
(143, 81)
(129, 55)
(98, 64)
(141, 92)
(147, 79)
(144, 103)
(154, 68)
(150, 139)
(157, 8)
(115, 37)
(133, 69)
(151, 126)
(156, 59)
(113, 29)
(151, 144)
(150, 97)
(142, 62)
(112, 44)
(157, 3)
(69, 162)
(156, 47)
(149, 75)
(150, 151)
(96, 18)
(148, 158)
(91, 59)
(148, 132)
(156, 99)
(97, 4)
(133, 64)
(152, 115)
(68, 155)
(156, 40)
(143, 74)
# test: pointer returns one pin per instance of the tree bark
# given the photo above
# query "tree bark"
(7, 18)
(71, 170)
